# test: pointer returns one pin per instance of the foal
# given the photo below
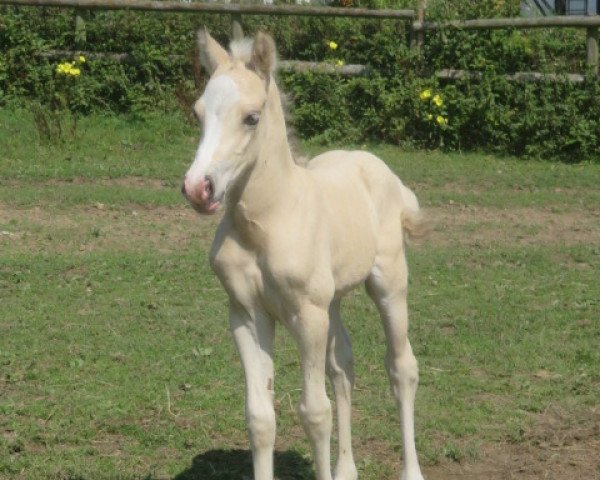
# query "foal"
(293, 240)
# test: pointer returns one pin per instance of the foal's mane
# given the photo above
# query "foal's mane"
(241, 51)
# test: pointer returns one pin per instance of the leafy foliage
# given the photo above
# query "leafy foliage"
(544, 119)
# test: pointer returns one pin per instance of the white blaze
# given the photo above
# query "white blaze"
(220, 96)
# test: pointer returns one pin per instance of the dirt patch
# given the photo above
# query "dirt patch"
(558, 446)
(100, 228)
(109, 445)
(130, 181)
(476, 226)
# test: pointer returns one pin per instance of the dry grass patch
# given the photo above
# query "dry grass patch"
(470, 225)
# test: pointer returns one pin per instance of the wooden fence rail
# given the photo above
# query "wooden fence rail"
(575, 21)
(284, 65)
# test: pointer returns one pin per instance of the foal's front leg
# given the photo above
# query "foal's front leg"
(253, 334)
(311, 332)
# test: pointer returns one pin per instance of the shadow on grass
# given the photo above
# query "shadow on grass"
(237, 465)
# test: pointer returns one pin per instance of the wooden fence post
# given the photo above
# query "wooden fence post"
(80, 34)
(591, 47)
(421, 19)
(237, 32)
(417, 37)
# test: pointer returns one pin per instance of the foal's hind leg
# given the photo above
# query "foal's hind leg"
(341, 373)
(387, 286)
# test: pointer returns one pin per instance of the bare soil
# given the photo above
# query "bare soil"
(474, 226)
(559, 446)
(100, 227)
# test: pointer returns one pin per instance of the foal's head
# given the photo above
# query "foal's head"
(230, 112)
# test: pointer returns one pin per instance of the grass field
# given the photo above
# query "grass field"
(116, 360)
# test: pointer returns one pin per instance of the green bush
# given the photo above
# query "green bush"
(544, 119)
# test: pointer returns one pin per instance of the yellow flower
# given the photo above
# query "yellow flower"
(332, 45)
(64, 68)
(425, 94)
(340, 63)
(441, 120)
(437, 100)
(429, 116)
(81, 59)
(68, 68)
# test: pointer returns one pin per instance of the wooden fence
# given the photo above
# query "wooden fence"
(234, 10)
(589, 23)
(418, 25)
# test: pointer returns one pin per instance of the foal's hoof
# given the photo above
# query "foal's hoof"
(414, 475)
(345, 472)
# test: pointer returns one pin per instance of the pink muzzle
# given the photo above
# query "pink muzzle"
(201, 195)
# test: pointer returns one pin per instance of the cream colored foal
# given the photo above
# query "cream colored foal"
(293, 240)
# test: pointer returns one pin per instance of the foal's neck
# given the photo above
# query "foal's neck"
(269, 181)
(274, 149)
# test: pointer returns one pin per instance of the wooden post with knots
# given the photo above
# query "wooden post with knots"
(418, 36)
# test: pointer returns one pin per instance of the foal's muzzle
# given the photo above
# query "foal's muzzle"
(201, 195)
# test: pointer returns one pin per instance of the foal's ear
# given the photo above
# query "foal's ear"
(211, 53)
(263, 55)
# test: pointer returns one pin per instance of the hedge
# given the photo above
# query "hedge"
(400, 101)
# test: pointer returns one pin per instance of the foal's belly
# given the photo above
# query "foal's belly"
(353, 249)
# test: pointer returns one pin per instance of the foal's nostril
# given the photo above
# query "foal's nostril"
(209, 188)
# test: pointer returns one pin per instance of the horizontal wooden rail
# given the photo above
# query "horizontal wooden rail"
(517, 22)
(537, 77)
(200, 7)
(349, 70)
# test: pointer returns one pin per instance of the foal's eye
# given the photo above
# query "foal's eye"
(251, 119)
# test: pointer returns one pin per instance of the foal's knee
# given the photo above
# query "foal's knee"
(316, 415)
(260, 420)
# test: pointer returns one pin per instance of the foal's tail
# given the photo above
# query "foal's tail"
(415, 223)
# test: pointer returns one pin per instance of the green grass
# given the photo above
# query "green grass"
(115, 355)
